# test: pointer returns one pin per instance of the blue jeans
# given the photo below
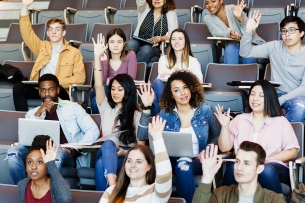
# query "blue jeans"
(93, 104)
(145, 52)
(185, 169)
(16, 157)
(295, 108)
(158, 87)
(231, 55)
(107, 162)
(271, 178)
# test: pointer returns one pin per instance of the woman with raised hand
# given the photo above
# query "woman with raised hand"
(44, 182)
(183, 108)
(179, 57)
(119, 112)
(156, 21)
(115, 60)
(266, 125)
(229, 21)
(144, 178)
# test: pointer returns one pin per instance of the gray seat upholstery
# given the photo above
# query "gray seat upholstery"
(123, 16)
(153, 73)
(204, 54)
(141, 71)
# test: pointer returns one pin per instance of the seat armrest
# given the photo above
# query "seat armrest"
(300, 161)
(75, 43)
(71, 10)
(198, 8)
(81, 87)
(112, 9)
(33, 10)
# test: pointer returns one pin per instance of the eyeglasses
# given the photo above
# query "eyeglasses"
(290, 31)
(50, 90)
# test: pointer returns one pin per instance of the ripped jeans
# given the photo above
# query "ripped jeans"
(185, 169)
(295, 108)
(16, 157)
(108, 162)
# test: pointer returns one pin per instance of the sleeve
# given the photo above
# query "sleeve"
(86, 124)
(31, 114)
(172, 21)
(247, 50)
(297, 92)
(105, 70)
(141, 5)
(142, 132)
(106, 195)
(28, 34)
(163, 183)
(60, 186)
(215, 29)
(196, 69)
(289, 138)
(132, 64)
(214, 128)
(162, 65)
(78, 73)
(203, 194)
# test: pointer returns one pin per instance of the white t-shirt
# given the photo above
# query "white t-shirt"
(194, 139)
(51, 66)
(245, 199)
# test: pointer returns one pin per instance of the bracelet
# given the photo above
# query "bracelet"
(159, 39)
(97, 70)
(147, 107)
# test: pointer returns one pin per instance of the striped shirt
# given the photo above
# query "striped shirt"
(157, 192)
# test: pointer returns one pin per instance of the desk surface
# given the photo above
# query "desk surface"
(221, 38)
(247, 84)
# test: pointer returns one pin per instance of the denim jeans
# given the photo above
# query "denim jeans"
(295, 108)
(93, 104)
(107, 162)
(16, 157)
(145, 52)
(231, 55)
(158, 87)
(271, 178)
(185, 169)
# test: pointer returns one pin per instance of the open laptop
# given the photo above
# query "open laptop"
(29, 128)
(177, 144)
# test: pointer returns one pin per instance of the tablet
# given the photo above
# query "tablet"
(141, 39)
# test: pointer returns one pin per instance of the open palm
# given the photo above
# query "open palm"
(223, 118)
(156, 127)
(27, 2)
(99, 46)
(238, 9)
(51, 151)
(146, 94)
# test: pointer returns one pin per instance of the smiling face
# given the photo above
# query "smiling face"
(116, 44)
(291, 40)
(256, 99)
(136, 165)
(35, 167)
(180, 92)
(117, 92)
(213, 6)
(56, 33)
(178, 41)
(158, 3)
(48, 91)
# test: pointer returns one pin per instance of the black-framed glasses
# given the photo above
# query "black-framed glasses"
(289, 30)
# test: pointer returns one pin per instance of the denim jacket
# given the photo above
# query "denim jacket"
(204, 123)
(77, 125)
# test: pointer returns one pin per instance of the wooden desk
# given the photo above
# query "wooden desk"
(220, 40)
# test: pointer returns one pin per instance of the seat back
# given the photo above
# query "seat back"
(25, 66)
(76, 32)
(141, 71)
(192, 30)
(97, 119)
(153, 72)
(176, 200)
(89, 65)
(105, 28)
(9, 193)
(101, 4)
(183, 15)
(14, 34)
(220, 74)
(267, 75)
(204, 54)
(267, 4)
(81, 196)
(62, 4)
(189, 3)
(127, 16)
(269, 31)
(130, 4)
(298, 128)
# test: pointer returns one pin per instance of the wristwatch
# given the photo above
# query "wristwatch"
(147, 107)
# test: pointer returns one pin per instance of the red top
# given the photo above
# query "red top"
(29, 198)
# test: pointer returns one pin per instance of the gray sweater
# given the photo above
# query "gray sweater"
(288, 69)
(218, 29)
(60, 188)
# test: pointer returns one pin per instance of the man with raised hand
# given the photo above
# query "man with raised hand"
(249, 163)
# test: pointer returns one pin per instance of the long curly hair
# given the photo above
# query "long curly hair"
(167, 101)
(129, 106)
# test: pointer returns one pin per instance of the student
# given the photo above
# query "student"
(183, 108)
(119, 112)
(265, 125)
(156, 21)
(144, 178)
(44, 182)
(119, 61)
(54, 56)
(229, 21)
(179, 57)
(75, 126)
(249, 163)
(287, 62)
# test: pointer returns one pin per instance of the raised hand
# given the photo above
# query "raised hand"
(99, 47)
(146, 94)
(51, 152)
(238, 9)
(253, 21)
(156, 127)
(26, 2)
(223, 118)
(210, 165)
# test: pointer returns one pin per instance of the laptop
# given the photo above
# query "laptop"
(177, 144)
(29, 128)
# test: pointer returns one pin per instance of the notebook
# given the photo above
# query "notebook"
(29, 128)
(141, 39)
(177, 144)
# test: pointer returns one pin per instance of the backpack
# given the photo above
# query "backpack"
(9, 73)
